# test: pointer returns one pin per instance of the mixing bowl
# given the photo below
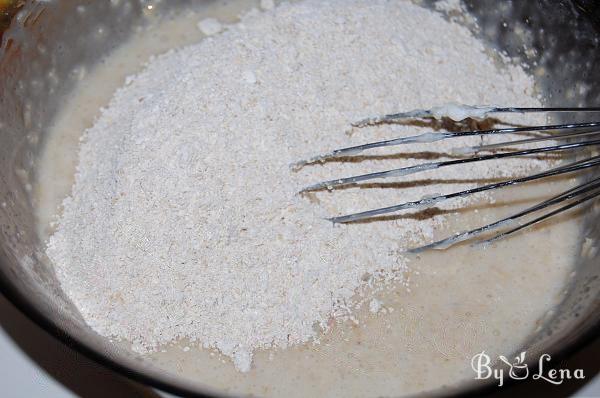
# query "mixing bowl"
(50, 45)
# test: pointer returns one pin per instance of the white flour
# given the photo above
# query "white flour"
(184, 220)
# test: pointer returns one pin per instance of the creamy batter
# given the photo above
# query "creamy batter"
(406, 339)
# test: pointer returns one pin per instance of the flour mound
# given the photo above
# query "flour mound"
(184, 221)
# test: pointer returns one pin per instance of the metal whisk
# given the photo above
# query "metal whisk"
(565, 137)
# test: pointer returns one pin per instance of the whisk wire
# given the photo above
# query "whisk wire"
(566, 136)
(512, 219)
(502, 145)
(431, 137)
(431, 201)
(404, 171)
(482, 111)
(542, 218)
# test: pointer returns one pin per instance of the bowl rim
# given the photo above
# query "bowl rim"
(28, 308)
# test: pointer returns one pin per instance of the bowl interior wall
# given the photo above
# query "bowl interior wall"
(50, 43)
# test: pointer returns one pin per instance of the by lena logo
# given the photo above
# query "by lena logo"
(518, 369)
